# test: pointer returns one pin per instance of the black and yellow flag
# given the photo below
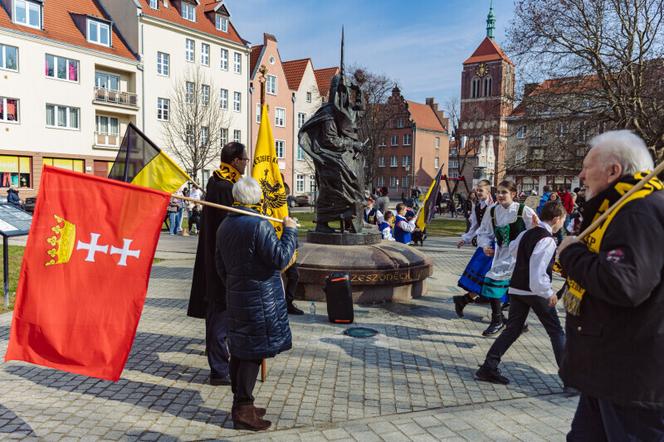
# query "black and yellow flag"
(141, 162)
(429, 204)
(266, 172)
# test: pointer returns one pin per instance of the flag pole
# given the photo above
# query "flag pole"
(227, 208)
(262, 79)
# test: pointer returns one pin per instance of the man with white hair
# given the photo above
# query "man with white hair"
(614, 297)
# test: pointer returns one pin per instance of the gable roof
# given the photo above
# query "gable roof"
(294, 71)
(60, 25)
(256, 52)
(488, 50)
(424, 117)
(324, 79)
(203, 22)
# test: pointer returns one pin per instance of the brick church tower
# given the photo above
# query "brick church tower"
(487, 96)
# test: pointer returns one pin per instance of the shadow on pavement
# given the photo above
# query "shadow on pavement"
(10, 423)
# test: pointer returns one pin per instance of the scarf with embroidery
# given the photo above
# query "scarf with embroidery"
(227, 172)
(593, 209)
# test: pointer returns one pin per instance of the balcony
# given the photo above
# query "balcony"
(110, 140)
(115, 98)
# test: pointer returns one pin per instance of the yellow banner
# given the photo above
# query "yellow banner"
(266, 172)
(161, 173)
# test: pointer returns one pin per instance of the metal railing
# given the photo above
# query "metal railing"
(104, 95)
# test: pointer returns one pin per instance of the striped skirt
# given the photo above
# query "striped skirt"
(472, 277)
(495, 289)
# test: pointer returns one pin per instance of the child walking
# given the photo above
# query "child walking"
(530, 287)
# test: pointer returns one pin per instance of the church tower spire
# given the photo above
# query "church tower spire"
(490, 22)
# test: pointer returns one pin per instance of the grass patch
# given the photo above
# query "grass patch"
(15, 259)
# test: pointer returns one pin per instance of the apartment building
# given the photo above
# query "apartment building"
(192, 43)
(69, 85)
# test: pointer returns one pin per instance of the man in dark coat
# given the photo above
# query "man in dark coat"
(207, 298)
(614, 298)
(250, 258)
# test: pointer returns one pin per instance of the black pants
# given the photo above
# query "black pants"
(520, 305)
(216, 336)
(243, 380)
(600, 420)
(293, 276)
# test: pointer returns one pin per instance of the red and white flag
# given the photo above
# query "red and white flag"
(85, 273)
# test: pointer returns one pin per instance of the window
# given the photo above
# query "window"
(224, 59)
(436, 163)
(237, 136)
(454, 174)
(99, 33)
(271, 85)
(407, 139)
(190, 92)
(8, 109)
(108, 130)
(63, 117)
(223, 136)
(280, 146)
(299, 183)
(394, 161)
(65, 163)
(258, 113)
(163, 64)
(521, 132)
(475, 88)
(163, 109)
(405, 160)
(300, 153)
(223, 99)
(436, 143)
(301, 118)
(312, 183)
(189, 135)
(487, 86)
(237, 62)
(394, 182)
(454, 152)
(205, 94)
(405, 182)
(381, 161)
(205, 135)
(454, 164)
(205, 54)
(400, 123)
(563, 130)
(28, 13)
(8, 57)
(583, 132)
(15, 171)
(221, 22)
(188, 11)
(308, 97)
(237, 101)
(189, 50)
(61, 68)
(106, 81)
(154, 4)
(380, 182)
(382, 141)
(280, 117)
(395, 140)
(537, 154)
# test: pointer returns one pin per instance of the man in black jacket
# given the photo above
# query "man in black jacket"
(208, 294)
(614, 298)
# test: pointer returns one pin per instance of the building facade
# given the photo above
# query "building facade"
(69, 85)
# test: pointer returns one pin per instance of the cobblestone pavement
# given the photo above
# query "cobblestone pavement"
(413, 381)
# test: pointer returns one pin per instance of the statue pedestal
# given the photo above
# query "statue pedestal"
(380, 272)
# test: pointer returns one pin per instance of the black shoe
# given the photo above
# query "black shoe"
(493, 376)
(494, 327)
(224, 380)
(460, 302)
(526, 328)
(292, 310)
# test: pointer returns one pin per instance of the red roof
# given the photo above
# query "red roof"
(204, 21)
(488, 50)
(424, 117)
(294, 71)
(255, 56)
(557, 86)
(324, 79)
(60, 25)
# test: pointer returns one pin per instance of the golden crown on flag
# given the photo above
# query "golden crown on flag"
(62, 241)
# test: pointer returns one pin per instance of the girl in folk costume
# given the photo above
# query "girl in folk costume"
(502, 224)
(473, 276)
(386, 226)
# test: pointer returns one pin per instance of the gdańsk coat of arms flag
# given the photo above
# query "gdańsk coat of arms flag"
(85, 273)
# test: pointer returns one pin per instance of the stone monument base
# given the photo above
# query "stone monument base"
(385, 271)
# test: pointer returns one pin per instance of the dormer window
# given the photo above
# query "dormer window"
(99, 33)
(188, 11)
(154, 4)
(221, 22)
(28, 13)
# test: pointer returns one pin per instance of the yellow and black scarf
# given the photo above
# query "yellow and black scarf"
(227, 172)
(593, 209)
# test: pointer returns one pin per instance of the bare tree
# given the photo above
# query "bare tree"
(199, 121)
(606, 54)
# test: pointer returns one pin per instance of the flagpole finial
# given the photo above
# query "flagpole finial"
(262, 78)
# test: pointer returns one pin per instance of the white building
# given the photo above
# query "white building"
(68, 87)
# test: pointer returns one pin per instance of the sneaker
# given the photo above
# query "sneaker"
(223, 380)
(493, 328)
(493, 376)
(293, 310)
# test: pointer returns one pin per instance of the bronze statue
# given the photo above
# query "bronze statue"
(330, 138)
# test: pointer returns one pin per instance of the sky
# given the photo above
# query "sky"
(419, 43)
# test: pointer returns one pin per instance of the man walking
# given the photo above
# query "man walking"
(208, 293)
(615, 298)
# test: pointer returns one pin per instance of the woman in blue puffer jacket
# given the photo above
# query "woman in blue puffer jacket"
(250, 258)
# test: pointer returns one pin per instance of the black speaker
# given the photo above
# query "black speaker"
(339, 298)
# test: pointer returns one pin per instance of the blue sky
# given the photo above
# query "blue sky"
(419, 43)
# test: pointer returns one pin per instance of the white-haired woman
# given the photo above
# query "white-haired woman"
(249, 260)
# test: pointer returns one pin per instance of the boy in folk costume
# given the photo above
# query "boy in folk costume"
(473, 276)
(501, 225)
(386, 226)
(530, 288)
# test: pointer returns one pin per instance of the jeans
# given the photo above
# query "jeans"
(216, 336)
(520, 305)
(293, 277)
(172, 223)
(598, 420)
(178, 219)
(243, 380)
